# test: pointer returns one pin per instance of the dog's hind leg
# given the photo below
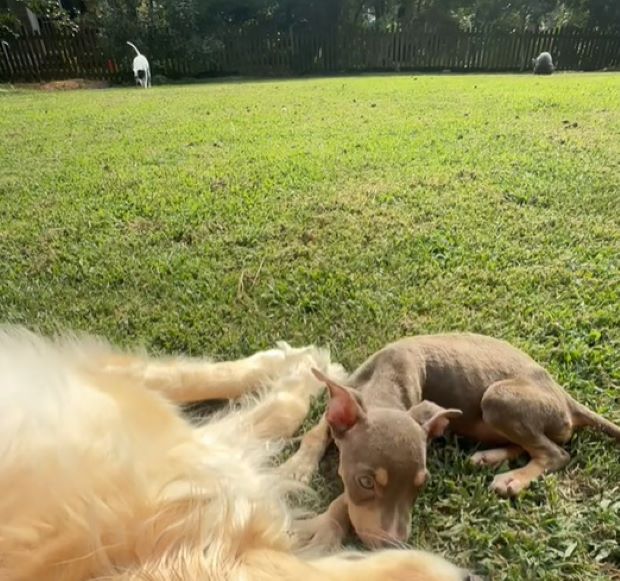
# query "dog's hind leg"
(534, 417)
(302, 465)
(185, 380)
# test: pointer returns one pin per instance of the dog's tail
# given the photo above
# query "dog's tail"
(132, 45)
(583, 416)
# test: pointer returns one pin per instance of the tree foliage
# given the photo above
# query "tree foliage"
(168, 27)
(51, 11)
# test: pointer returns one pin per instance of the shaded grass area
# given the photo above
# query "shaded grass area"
(346, 212)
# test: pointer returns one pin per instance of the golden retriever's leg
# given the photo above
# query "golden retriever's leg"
(185, 380)
(280, 409)
(283, 409)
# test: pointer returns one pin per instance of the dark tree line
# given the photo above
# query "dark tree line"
(194, 26)
(509, 15)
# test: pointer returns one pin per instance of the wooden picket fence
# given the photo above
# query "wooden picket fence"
(54, 56)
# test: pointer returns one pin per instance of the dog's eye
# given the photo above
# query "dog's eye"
(366, 482)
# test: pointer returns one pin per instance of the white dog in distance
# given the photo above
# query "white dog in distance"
(141, 68)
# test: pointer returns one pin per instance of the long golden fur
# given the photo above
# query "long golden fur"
(101, 477)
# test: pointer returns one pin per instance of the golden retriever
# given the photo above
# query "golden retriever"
(102, 477)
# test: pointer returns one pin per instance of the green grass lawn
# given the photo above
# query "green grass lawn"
(348, 212)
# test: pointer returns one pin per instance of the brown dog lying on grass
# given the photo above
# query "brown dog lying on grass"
(410, 392)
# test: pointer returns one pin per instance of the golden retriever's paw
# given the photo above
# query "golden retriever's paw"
(300, 361)
(281, 360)
(292, 352)
(305, 357)
(271, 360)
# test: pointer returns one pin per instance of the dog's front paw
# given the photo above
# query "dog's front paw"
(320, 532)
(299, 468)
(508, 484)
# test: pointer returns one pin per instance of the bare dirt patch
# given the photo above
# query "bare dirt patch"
(66, 85)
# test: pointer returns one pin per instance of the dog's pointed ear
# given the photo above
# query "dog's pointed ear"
(345, 407)
(433, 418)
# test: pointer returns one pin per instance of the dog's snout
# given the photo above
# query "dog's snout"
(385, 538)
(377, 540)
(381, 525)
(400, 529)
